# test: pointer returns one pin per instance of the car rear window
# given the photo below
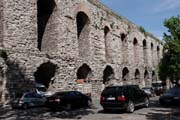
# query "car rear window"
(60, 94)
(114, 90)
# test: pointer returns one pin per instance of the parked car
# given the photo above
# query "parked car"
(158, 87)
(29, 99)
(171, 97)
(123, 97)
(41, 89)
(149, 91)
(68, 100)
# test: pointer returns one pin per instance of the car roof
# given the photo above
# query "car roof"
(124, 86)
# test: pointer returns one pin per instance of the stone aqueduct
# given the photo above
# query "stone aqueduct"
(56, 42)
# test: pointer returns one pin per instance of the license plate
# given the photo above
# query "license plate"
(111, 98)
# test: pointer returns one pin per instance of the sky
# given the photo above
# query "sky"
(150, 14)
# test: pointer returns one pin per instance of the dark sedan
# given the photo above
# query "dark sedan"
(68, 100)
(29, 99)
(123, 97)
(171, 97)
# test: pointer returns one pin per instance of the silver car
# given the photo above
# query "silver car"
(29, 99)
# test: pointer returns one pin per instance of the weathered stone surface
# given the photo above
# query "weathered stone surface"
(69, 34)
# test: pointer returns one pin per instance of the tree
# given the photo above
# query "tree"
(169, 66)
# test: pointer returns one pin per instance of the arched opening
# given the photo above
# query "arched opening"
(146, 78)
(137, 76)
(45, 73)
(158, 53)
(123, 37)
(108, 74)
(125, 74)
(152, 46)
(135, 43)
(124, 47)
(152, 51)
(82, 20)
(84, 72)
(44, 11)
(144, 44)
(106, 31)
(83, 31)
(153, 76)
(107, 43)
(145, 51)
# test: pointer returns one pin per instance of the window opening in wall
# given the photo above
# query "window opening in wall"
(83, 31)
(44, 11)
(123, 37)
(158, 53)
(84, 73)
(146, 77)
(106, 31)
(125, 74)
(158, 48)
(135, 41)
(45, 73)
(82, 20)
(106, 37)
(108, 74)
(137, 76)
(144, 44)
(152, 46)
(153, 76)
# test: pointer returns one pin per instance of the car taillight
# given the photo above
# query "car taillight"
(54, 100)
(102, 98)
(121, 98)
(57, 100)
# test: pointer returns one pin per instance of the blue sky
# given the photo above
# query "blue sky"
(149, 14)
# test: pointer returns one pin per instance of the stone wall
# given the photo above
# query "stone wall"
(74, 39)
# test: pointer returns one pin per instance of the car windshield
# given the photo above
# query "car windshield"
(156, 84)
(146, 88)
(42, 89)
(60, 93)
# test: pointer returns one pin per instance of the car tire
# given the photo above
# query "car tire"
(130, 107)
(146, 102)
(25, 106)
(68, 107)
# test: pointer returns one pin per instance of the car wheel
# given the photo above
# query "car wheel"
(146, 102)
(25, 106)
(130, 107)
(68, 107)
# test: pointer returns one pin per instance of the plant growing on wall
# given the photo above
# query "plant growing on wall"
(141, 29)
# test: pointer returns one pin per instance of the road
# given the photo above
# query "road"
(154, 112)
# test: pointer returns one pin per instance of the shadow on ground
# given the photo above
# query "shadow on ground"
(42, 113)
(159, 112)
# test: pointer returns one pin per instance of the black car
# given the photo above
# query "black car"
(171, 97)
(67, 100)
(123, 97)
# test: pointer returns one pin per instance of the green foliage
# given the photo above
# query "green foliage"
(141, 29)
(170, 63)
